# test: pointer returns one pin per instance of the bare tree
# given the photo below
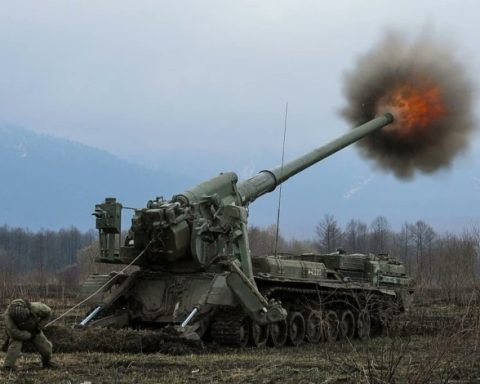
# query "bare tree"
(262, 240)
(401, 246)
(297, 247)
(362, 237)
(404, 238)
(380, 235)
(422, 237)
(454, 270)
(351, 236)
(329, 234)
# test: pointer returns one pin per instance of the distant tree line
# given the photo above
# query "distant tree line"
(447, 261)
(39, 253)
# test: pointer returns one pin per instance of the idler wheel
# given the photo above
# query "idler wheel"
(258, 334)
(364, 325)
(313, 324)
(296, 328)
(332, 326)
(347, 325)
(243, 332)
(278, 334)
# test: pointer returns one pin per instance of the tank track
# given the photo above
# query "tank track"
(229, 328)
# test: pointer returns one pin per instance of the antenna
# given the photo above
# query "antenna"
(281, 173)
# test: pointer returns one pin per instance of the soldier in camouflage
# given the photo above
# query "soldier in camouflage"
(24, 321)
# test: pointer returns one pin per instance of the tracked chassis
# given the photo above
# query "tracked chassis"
(195, 270)
(322, 304)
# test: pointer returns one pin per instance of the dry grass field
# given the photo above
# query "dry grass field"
(434, 343)
(420, 359)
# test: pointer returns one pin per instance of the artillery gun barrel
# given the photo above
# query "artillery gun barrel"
(202, 233)
(267, 180)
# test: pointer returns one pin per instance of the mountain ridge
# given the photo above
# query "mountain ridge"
(51, 182)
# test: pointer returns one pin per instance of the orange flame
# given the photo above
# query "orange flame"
(415, 107)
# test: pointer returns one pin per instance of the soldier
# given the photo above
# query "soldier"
(24, 321)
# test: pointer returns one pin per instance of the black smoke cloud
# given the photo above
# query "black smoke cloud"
(396, 60)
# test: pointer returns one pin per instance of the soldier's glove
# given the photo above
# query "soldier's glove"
(24, 335)
(35, 332)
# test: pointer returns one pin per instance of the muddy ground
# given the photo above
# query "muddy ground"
(419, 359)
(434, 344)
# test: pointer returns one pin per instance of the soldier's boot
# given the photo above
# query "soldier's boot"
(49, 364)
(14, 350)
(44, 347)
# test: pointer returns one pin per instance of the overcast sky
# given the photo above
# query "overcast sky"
(199, 82)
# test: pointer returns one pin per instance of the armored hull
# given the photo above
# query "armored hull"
(196, 272)
(327, 297)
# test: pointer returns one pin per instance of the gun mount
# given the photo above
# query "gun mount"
(196, 266)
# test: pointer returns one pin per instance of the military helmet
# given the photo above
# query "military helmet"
(19, 312)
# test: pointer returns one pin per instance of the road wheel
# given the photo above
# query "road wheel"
(278, 334)
(296, 328)
(385, 317)
(364, 325)
(313, 324)
(243, 332)
(347, 325)
(331, 326)
(258, 334)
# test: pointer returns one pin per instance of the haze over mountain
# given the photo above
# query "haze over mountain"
(194, 93)
(48, 182)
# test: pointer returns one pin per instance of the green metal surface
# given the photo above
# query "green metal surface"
(374, 269)
(295, 268)
(268, 180)
(195, 256)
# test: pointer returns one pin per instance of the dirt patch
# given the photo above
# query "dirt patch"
(424, 359)
(119, 341)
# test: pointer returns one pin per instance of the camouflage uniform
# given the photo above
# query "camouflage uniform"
(24, 322)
